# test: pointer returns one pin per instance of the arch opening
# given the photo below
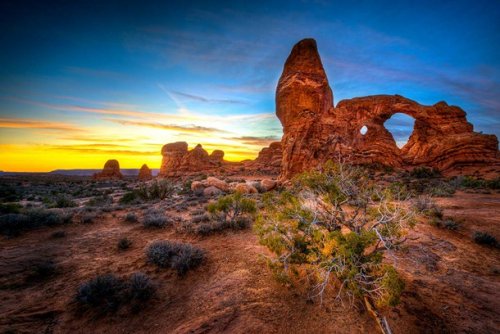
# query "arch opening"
(401, 127)
(363, 130)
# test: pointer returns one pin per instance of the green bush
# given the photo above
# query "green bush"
(130, 197)
(330, 231)
(233, 209)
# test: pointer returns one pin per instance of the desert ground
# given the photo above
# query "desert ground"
(452, 278)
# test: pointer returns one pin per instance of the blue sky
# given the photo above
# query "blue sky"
(123, 77)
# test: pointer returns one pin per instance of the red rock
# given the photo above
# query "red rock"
(268, 162)
(179, 161)
(245, 188)
(197, 186)
(215, 182)
(315, 131)
(268, 184)
(212, 191)
(145, 173)
(111, 171)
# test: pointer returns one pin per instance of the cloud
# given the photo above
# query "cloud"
(256, 141)
(24, 123)
(202, 99)
(172, 127)
(91, 150)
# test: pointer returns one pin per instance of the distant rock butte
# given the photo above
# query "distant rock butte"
(145, 173)
(316, 131)
(111, 171)
(179, 161)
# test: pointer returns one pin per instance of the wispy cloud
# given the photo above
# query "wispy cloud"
(203, 99)
(256, 141)
(102, 150)
(172, 127)
(24, 123)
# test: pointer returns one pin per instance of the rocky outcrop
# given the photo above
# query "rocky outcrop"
(316, 131)
(111, 171)
(145, 173)
(179, 161)
(268, 162)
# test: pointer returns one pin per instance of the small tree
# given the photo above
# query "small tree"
(233, 210)
(330, 231)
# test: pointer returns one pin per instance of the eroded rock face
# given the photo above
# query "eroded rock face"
(145, 173)
(110, 171)
(179, 161)
(315, 131)
(268, 162)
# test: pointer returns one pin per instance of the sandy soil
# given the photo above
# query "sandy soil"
(453, 284)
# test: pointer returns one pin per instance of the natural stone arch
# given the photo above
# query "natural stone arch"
(315, 131)
(401, 127)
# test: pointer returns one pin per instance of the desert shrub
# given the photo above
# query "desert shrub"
(10, 208)
(141, 290)
(15, 224)
(179, 256)
(475, 183)
(156, 190)
(440, 189)
(155, 218)
(107, 293)
(124, 244)
(327, 233)
(233, 209)
(42, 269)
(130, 197)
(88, 218)
(102, 200)
(484, 238)
(450, 224)
(104, 293)
(199, 218)
(58, 234)
(131, 217)
(424, 173)
(64, 201)
(425, 205)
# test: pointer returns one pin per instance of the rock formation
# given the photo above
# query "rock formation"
(145, 173)
(268, 162)
(179, 161)
(111, 171)
(316, 131)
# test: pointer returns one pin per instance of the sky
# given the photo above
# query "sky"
(82, 82)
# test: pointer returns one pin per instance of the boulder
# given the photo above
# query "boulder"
(212, 191)
(215, 182)
(268, 184)
(245, 188)
(197, 186)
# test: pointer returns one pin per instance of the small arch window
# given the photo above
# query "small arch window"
(363, 130)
